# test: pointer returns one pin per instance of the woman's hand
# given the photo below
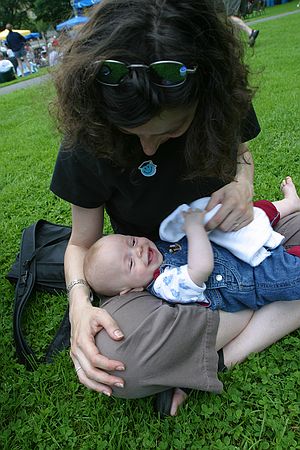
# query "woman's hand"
(236, 197)
(91, 366)
(86, 320)
(237, 208)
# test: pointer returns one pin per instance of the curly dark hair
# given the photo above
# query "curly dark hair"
(144, 31)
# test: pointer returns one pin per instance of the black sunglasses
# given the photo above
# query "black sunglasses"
(162, 73)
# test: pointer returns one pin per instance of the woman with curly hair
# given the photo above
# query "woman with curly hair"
(155, 109)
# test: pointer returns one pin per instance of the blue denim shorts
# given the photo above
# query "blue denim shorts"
(20, 53)
(235, 285)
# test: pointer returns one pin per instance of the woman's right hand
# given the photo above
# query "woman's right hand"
(86, 320)
(92, 367)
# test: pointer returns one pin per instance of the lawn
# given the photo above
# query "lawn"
(274, 10)
(48, 409)
(42, 71)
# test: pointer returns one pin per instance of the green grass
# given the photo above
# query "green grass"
(48, 409)
(275, 10)
(42, 71)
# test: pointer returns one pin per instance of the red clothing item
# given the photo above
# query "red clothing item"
(270, 209)
(274, 217)
(294, 250)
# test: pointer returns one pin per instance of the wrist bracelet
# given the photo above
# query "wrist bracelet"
(82, 282)
(75, 282)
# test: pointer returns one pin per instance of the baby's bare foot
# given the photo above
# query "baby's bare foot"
(288, 188)
(290, 193)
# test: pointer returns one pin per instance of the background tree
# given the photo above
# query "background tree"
(20, 13)
(15, 12)
(52, 11)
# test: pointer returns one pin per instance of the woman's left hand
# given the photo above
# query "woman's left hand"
(237, 207)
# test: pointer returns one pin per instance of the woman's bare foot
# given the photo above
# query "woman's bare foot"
(179, 397)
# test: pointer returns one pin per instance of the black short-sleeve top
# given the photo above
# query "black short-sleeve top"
(136, 200)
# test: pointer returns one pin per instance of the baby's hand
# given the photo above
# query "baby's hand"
(193, 218)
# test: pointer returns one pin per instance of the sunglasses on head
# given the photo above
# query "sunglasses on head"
(161, 73)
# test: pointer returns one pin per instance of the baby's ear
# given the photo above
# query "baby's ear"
(125, 291)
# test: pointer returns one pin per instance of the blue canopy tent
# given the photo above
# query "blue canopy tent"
(77, 20)
(79, 4)
(32, 36)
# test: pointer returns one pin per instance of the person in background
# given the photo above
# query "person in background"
(3, 49)
(234, 8)
(11, 57)
(16, 42)
(53, 55)
(7, 71)
(43, 59)
(31, 58)
(29, 53)
(55, 42)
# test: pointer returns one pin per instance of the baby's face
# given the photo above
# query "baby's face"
(134, 260)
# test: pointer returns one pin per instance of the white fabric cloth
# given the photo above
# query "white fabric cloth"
(250, 244)
(175, 285)
(5, 65)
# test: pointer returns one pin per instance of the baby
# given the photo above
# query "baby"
(194, 269)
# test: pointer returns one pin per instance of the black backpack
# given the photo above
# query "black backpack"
(39, 265)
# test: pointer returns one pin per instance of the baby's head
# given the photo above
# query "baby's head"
(117, 264)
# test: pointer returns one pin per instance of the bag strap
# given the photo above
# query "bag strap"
(24, 287)
(61, 339)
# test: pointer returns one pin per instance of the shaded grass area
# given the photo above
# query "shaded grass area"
(48, 409)
(42, 71)
(274, 10)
